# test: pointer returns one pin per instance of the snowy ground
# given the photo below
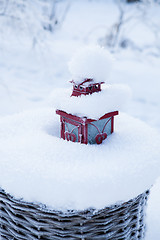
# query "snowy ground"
(29, 72)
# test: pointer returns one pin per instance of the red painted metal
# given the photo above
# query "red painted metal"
(110, 114)
(82, 125)
(112, 125)
(80, 133)
(107, 115)
(100, 137)
(67, 115)
(84, 120)
(86, 133)
(81, 89)
(70, 136)
(62, 128)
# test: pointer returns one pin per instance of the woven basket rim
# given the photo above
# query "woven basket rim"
(46, 209)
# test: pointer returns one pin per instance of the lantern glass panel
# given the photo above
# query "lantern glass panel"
(71, 129)
(94, 126)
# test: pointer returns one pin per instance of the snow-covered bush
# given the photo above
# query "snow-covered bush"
(29, 18)
(136, 28)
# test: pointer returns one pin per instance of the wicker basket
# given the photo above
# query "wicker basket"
(21, 220)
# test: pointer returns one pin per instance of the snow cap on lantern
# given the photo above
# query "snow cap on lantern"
(90, 68)
(91, 62)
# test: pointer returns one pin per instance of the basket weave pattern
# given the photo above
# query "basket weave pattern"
(21, 220)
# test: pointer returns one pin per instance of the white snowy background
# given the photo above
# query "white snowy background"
(38, 38)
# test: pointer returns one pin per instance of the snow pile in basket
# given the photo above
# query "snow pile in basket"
(38, 166)
(112, 98)
(91, 62)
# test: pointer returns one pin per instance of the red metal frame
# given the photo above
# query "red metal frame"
(86, 133)
(62, 127)
(110, 114)
(82, 124)
(112, 125)
(67, 115)
(80, 89)
(76, 124)
(85, 120)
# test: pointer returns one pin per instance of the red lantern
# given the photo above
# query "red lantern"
(83, 129)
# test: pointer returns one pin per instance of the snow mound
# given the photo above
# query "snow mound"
(91, 62)
(112, 98)
(38, 166)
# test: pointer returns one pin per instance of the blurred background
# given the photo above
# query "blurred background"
(38, 38)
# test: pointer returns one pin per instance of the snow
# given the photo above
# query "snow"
(37, 166)
(112, 98)
(32, 66)
(93, 62)
(153, 210)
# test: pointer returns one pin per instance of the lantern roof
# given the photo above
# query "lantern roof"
(85, 82)
(86, 87)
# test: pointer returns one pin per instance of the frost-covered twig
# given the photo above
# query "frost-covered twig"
(4, 7)
(130, 17)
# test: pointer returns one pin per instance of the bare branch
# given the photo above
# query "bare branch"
(4, 8)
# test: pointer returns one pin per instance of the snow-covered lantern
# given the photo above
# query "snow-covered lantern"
(78, 192)
(83, 129)
(87, 81)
